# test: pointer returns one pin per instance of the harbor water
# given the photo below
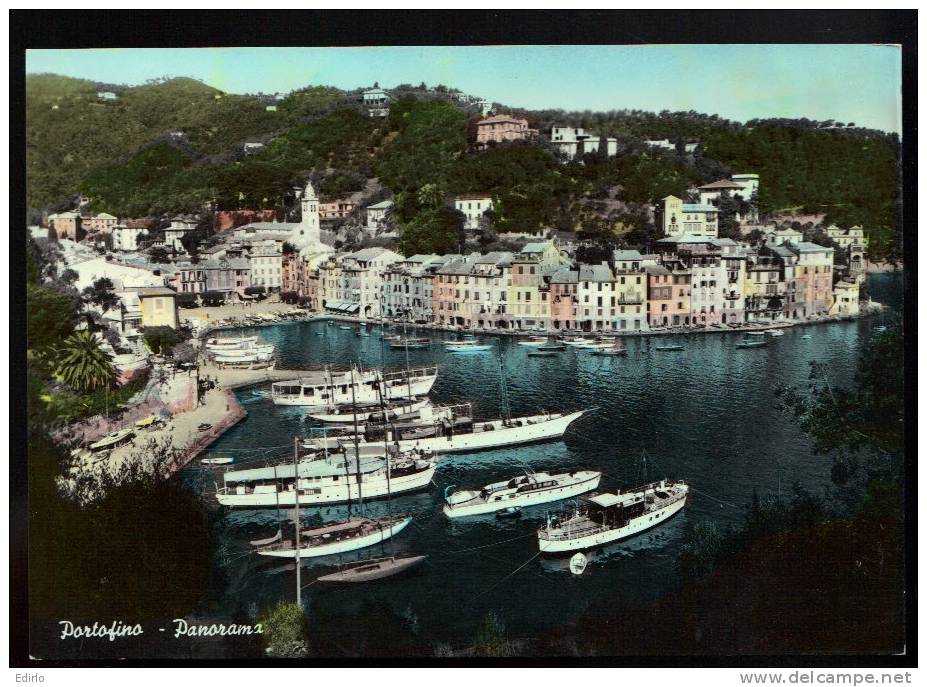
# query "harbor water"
(706, 414)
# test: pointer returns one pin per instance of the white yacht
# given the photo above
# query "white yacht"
(530, 489)
(325, 389)
(533, 341)
(346, 414)
(329, 480)
(609, 517)
(477, 436)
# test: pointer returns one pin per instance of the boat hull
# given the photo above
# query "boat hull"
(602, 538)
(542, 429)
(522, 501)
(419, 386)
(344, 545)
(341, 492)
(374, 570)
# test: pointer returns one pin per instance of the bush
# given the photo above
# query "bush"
(255, 291)
(186, 300)
(285, 631)
(291, 297)
(161, 340)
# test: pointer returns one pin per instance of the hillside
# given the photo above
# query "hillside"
(172, 145)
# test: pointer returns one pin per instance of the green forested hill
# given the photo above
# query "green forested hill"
(171, 145)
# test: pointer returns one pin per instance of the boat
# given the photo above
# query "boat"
(409, 343)
(344, 326)
(346, 414)
(375, 569)
(325, 389)
(341, 537)
(775, 332)
(579, 341)
(251, 350)
(326, 480)
(113, 439)
(672, 347)
(542, 354)
(610, 517)
(480, 435)
(578, 563)
(552, 347)
(614, 350)
(468, 347)
(510, 513)
(805, 336)
(217, 460)
(597, 346)
(216, 343)
(533, 341)
(530, 489)
(758, 340)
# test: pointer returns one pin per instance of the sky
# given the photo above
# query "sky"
(847, 83)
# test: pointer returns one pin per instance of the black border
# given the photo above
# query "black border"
(155, 28)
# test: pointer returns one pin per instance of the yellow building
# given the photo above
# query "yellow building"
(159, 307)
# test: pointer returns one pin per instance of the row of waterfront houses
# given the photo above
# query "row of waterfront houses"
(688, 280)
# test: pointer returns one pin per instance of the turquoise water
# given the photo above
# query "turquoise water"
(706, 414)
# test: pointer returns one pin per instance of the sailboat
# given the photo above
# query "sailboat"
(350, 535)
(377, 568)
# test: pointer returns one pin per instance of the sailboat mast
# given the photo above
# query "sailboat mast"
(360, 496)
(299, 586)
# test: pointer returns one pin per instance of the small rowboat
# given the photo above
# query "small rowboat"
(510, 513)
(670, 348)
(542, 354)
(751, 343)
(377, 569)
(552, 347)
(578, 563)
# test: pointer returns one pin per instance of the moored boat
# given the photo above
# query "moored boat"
(327, 481)
(480, 435)
(325, 389)
(669, 347)
(609, 517)
(409, 343)
(542, 354)
(374, 569)
(533, 341)
(530, 489)
(345, 414)
(341, 537)
(468, 347)
(775, 332)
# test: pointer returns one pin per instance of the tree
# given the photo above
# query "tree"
(101, 293)
(184, 353)
(161, 340)
(159, 255)
(728, 226)
(433, 231)
(84, 365)
(51, 315)
(866, 418)
(285, 631)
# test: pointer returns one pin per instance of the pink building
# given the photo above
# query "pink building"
(337, 209)
(564, 297)
(502, 128)
(667, 296)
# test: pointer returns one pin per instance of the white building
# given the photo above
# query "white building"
(574, 142)
(106, 95)
(126, 238)
(378, 215)
(777, 237)
(180, 227)
(407, 287)
(473, 206)
(122, 275)
(666, 144)
(845, 238)
(376, 100)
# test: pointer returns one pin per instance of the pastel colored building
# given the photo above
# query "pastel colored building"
(158, 306)
(676, 218)
(180, 227)
(362, 278)
(408, 287)
(564, 299)
(67, 225)
(764, 289)
(103, 222)
(126, 237)
(529, 296)
(336, 209)
(846, 299)
(667, 297)
(503, 129)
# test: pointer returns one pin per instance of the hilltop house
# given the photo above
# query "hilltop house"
(473, 206)
(378, 215)
(503, 128)
(376, 100)
(676, 218)
(67, 225)
(180, 227)
(575, 142)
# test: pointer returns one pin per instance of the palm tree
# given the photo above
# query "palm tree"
(83, 365)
